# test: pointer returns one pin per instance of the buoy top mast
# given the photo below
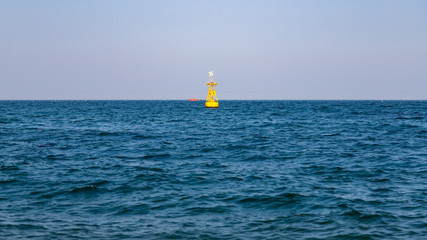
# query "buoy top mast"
(212, 82)
(212, 99)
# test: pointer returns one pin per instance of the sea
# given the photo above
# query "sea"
(246, 170)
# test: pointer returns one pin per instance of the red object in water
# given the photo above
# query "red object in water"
(194, 99)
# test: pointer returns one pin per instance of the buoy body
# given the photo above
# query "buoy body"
(212, 99)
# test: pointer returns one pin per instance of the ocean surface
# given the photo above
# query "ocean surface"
(247, 170)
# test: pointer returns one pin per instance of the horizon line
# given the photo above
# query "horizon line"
(389, 99)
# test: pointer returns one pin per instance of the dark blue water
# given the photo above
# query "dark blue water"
(248, 170)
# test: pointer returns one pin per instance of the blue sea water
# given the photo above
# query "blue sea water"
(247, 170)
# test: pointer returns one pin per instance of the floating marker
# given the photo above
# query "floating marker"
(212, 99)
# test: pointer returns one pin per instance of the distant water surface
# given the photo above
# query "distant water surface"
(247, 170)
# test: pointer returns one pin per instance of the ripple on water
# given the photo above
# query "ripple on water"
(248, 170)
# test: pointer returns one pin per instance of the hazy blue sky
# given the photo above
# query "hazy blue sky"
(262, 49)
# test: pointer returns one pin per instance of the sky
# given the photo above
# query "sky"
(164, 49)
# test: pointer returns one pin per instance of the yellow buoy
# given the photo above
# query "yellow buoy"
(211, 100)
